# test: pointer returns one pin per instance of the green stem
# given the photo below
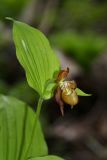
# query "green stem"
(40, 101)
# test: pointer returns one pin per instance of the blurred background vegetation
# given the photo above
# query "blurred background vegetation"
(77, 31)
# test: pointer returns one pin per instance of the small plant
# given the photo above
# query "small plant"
(44, 75)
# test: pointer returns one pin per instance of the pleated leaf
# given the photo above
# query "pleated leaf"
(36, 56)
(47, 158)
(16, 124)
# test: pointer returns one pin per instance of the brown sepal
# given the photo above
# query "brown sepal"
(63, 74)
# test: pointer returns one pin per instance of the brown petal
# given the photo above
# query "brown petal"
(59, 100)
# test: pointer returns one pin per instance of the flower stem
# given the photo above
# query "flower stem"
(40, 101)
(39, 105)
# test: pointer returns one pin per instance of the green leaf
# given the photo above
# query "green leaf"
(49, 90)
(47, 158)
(35, 55)
(81, 93)
(16, 124)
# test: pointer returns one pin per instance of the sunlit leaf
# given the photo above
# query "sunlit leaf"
(47, 158)
(35, 55)
(81, 93)
(16, 124)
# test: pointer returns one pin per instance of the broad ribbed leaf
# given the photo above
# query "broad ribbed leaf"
(47, 158)
(35, 55)
(81, 93)
(16, 124)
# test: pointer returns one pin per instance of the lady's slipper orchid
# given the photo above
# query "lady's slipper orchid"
(66, 91)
